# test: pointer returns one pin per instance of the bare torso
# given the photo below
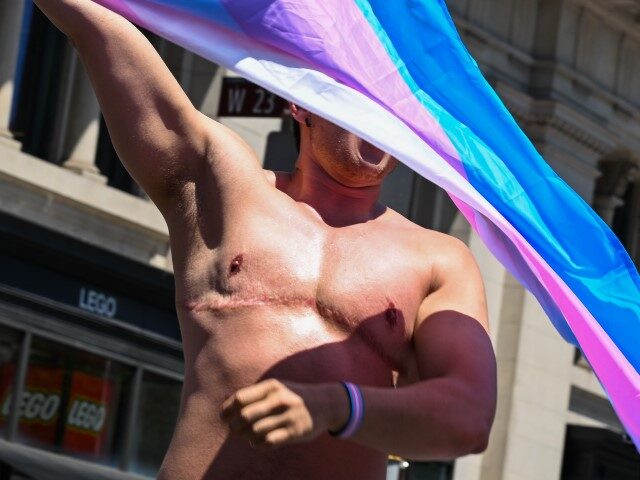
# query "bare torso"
(278, 293)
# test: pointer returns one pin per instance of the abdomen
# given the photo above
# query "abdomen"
(226, 351)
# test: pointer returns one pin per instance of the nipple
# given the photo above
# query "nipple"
(391, 315)
(236, 263)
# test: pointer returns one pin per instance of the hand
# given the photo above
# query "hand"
(272, 413)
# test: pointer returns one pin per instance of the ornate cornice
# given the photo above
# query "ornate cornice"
(623, 15)
(549, 113)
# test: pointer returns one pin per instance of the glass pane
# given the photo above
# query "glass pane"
(429, 471)
(9, 352)
(74, 402)
(159, 405)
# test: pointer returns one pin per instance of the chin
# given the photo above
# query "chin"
(360, 171)
(364, 176)
(377, 171)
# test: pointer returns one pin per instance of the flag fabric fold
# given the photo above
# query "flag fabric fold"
(397, 74)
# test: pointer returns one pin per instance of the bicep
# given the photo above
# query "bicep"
(162, 139)
(155, 129)
(451, 332)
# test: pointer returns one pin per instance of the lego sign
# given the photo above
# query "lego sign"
(98, 302)
(87, 416)
(88, 408)
(35, 406)
(39, 407)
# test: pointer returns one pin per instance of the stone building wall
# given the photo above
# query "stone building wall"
(568, 70)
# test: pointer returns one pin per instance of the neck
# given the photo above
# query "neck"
(338, 205)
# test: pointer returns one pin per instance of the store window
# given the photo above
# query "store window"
(399, 469)
(157, 414)
(41, 80)
(74, 402)
(592, 453)
(430, 471)
(9, 349)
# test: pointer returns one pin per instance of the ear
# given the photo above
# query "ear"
(299, 114)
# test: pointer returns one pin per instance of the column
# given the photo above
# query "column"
(10, 27)
(80, 123)
(202, 80)
(541, 383)
(505, 303)
(618, 170)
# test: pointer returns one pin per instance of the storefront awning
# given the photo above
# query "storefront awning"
(41, 465)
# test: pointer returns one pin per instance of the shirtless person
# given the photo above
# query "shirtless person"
(287, 285)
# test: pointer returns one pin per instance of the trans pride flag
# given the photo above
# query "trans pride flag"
(396, 73)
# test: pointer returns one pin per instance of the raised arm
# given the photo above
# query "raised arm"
(159, 135)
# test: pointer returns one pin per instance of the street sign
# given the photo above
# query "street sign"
(241, 98)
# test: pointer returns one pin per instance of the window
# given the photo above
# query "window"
(74, 402)
(598, 454)
(9, 349)
(418, 199)
(431, 206)
(398, 188)
(110, 166)
(626, 221)
(402, 470)
(430, 471)
(80, 404)
(41, 77)
(156, 419)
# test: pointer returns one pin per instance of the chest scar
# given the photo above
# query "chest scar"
(339, 319)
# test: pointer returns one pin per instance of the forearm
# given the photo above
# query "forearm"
(132, 83)
(73, 17)
(153, 125)
(434, 419)
(440, 418)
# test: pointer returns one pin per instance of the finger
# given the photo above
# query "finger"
(250, 414)
(262, 427)
(243, 421)
(245, 396)
(275, 438)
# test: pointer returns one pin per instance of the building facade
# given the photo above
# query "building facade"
(90, 355)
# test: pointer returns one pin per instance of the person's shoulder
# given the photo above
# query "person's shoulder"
(427, 240)
(443, 254)
(453, 264)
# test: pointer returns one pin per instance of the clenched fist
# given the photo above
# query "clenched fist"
(273, 413)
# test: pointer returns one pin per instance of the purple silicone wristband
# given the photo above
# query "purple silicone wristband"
(356, 413)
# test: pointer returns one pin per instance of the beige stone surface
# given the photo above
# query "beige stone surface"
(528, 459)
(254, 131)
(10, 25)
(583, 61)
(540, 397)
(584, 378)
(63, 201)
